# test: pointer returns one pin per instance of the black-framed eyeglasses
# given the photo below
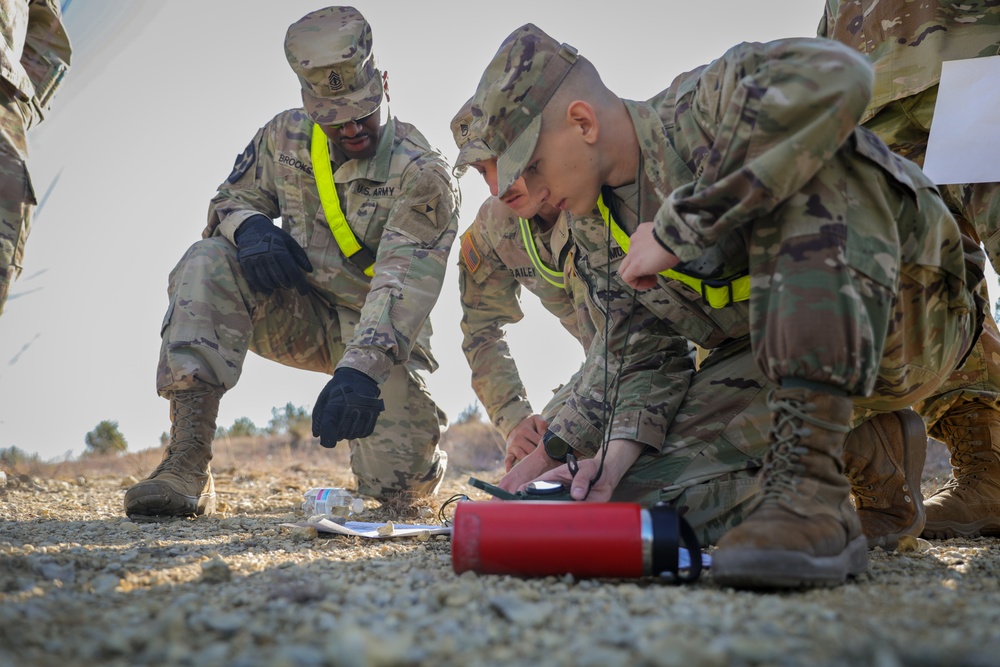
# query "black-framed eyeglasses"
(358, 121)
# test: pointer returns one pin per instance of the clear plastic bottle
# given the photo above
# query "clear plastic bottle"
(331, 500)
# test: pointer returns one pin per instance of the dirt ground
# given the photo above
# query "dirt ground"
(82, 585)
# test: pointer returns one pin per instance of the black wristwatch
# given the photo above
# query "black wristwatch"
(555, 447)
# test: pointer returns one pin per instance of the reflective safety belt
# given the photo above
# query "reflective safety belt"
(358, 255)
(717, 293)
(544, 271)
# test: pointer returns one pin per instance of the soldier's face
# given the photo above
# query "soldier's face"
(516, 197)
(563, 171)
(358, 139)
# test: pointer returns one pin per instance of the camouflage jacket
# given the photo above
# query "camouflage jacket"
(493, 266)
(34, 56)
(723, 145)
(908, 41)
(402, 204)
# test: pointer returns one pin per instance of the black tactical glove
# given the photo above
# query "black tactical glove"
(270, 258)
(346, 408)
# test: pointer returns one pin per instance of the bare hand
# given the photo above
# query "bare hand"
(580, 487)
(530, 467)
(524, 439)
(645, 258)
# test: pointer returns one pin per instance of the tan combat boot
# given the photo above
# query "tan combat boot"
(804, 530)
(968, 505)
(883, 460)
(182, 484)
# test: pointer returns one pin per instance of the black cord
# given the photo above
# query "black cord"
(609, 200)
(442, 517)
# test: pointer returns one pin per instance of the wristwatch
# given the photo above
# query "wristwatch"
(555, 447)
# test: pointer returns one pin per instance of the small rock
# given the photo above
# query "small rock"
(300, 532)
(386, 530)
(216, 571)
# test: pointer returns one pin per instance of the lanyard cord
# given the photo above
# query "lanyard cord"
(607, 416)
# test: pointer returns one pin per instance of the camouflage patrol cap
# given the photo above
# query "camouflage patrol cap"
(514, 89)
(330, 50)
(470, 147)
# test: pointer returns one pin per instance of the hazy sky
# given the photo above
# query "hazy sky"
(161, 99)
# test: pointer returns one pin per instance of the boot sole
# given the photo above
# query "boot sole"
(945, 530)
(773, 568)
(162, 501)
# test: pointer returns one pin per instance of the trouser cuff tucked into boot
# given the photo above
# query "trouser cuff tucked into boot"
(804, 530)
(182, 484)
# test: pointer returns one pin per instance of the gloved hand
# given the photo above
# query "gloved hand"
(346, 408)
(270, 258)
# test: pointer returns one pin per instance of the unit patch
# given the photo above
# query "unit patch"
(244, 161)
(470, 254)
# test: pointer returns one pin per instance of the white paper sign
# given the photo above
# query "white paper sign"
(964, 143)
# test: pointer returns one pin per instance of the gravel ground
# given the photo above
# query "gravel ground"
(82, 585)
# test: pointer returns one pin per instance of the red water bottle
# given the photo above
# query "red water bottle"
(541, 538)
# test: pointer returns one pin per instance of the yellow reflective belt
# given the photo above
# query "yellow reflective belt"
(529, 244)
(717, 293)
(342, 233)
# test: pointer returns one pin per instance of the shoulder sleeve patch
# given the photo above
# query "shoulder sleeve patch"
(429, 208)
(244, 161)
(470, 254)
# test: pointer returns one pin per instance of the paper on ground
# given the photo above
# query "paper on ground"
(964, 143)
(362, 529)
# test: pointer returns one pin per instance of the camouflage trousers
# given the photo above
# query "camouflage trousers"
(213, 319)
(17, 198)
(904, 125)
(852, 286)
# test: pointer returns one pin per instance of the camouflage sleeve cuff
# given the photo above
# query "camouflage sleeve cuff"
(373, 362)
(233, 221)
(646, 428)
(510, 415)
(680, 233)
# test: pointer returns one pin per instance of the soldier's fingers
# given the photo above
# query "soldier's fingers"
(299, 255)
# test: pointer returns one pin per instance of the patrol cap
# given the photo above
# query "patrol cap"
(470, 147)
(514, 89)
(330, 50)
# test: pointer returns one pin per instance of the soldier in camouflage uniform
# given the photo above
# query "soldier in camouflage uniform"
(907, 42)
(34, 56)
(357, 312)
(816, 304)
(512, 243)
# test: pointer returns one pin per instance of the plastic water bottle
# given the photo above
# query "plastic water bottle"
(331, 500)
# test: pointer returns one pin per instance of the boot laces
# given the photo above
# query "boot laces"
(184, 448)
(856, 479)
(781, 472)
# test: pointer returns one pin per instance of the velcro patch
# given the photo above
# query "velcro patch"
(428, 208)
(470, 254)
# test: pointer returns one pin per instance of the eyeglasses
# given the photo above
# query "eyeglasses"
(358, 121)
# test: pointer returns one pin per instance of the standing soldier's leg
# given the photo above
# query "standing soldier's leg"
(17, 199)
(965, 416)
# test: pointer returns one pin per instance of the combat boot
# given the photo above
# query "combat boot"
(883, 460)
(804, 530)
(182, 484)
(968, 505)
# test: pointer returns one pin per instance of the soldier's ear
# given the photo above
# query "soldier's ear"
(583, 119)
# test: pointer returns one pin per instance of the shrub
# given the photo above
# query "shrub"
(106, 439)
